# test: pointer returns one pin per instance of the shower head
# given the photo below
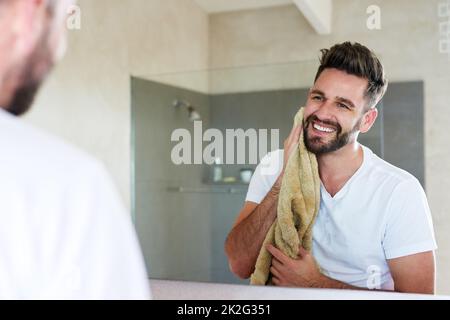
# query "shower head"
(179, 103)
(192, 113)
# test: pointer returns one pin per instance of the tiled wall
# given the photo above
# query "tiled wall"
(173, 227)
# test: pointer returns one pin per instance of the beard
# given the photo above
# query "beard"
(31, 76)
(23, 98)
(341, 138)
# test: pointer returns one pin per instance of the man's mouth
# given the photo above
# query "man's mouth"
(322, 128)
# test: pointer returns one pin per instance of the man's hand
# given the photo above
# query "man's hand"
(290, 144)
(288, 272)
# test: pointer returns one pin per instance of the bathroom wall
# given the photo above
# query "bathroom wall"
(87, 98)
(408, 44)
(403, 128)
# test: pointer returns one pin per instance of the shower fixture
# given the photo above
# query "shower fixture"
(192, 112)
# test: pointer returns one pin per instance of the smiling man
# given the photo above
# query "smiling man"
(374, 228)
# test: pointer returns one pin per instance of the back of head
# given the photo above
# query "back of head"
(32, 40)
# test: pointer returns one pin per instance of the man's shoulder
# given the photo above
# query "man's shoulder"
(61, 183)
(272, 164)
(274, 155)
(383, 171)
(29, 149)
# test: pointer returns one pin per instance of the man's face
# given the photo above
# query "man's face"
(36, 65)
(32, 74)
(335, 111)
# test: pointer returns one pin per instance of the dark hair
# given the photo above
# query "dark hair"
(358, 60)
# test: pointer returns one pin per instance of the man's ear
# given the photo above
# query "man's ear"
(368, 120)
(27, 25)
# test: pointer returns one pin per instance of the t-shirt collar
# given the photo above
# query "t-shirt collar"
(367, 153)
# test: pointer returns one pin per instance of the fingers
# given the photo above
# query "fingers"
(294, 135)
(291, 141)
(276, 253)
(297, 132)
(302, 252)
(276, 281)
(276, 276)
(275, 272)
(277, 264)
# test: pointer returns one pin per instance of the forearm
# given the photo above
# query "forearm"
(325, 282)
(245, 239)
(329, 283)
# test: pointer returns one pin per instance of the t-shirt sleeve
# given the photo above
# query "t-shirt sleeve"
(265, 175)
(409, 226)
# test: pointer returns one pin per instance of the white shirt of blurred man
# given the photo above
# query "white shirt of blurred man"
(64, 233)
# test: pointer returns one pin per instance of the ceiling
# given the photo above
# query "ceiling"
(215, 6)
(317, 12)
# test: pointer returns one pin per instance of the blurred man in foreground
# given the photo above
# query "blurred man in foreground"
(64, 233)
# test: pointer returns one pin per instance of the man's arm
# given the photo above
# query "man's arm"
(302, 272)
(411, 274)
(414, 273)
(244, 242)
(409, 241)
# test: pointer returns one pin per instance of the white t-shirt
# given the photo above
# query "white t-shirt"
(64, 233)
(381, 213)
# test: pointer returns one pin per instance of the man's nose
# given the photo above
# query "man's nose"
(325, 110)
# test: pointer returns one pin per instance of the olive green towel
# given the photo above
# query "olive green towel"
(298, 205)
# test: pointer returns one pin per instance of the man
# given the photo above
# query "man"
(64, 233)
(373, 229)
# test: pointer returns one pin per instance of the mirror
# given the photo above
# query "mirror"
(186, 198)
(184, 209)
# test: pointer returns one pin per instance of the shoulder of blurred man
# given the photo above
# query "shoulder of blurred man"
(54, 195)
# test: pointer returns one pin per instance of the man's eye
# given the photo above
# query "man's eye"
(318, 98)
(341, 105)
